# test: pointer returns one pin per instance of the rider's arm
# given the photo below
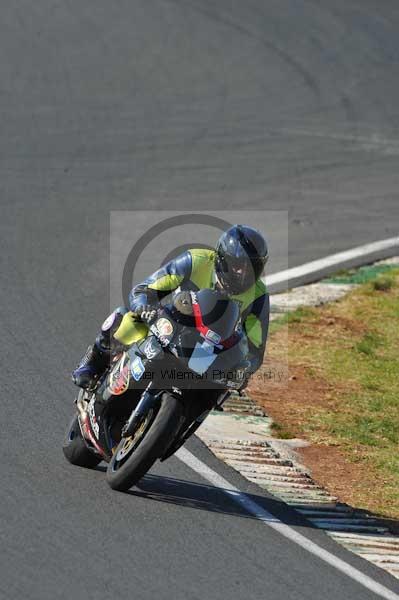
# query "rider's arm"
(256, 325)
(161, 283)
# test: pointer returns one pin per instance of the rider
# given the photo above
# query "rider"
(234, 267)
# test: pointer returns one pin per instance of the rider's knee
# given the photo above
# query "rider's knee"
(130, 330)
(106, 339)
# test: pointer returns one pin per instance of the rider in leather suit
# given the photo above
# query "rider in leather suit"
(235, 267)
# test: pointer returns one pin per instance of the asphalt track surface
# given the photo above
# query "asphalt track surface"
(285, 105)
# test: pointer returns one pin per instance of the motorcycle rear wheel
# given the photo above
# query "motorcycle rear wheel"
(75, 448)
(129, 464)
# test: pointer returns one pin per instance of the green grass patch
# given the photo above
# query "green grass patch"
(369, 343)
(383, 284)
(361, 275)
(281, 432)
(295, 316)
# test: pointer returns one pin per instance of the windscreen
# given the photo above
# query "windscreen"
(220, 314)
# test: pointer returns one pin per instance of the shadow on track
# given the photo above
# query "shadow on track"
(188, 494)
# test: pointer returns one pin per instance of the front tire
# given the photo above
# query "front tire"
(124, 473)
(75, 448)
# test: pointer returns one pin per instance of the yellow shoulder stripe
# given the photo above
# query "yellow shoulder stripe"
(166, 283)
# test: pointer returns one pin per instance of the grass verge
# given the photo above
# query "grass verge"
(343, 392)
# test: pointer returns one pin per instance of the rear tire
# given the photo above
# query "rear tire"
(75, 448)
(122, 476)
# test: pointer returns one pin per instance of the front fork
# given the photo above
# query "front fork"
(148, 401)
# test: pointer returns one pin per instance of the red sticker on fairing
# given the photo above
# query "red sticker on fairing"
(210, 335)
(119, 378)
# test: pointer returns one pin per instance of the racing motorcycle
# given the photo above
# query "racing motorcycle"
(156, 393)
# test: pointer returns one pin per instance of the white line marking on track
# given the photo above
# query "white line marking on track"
(285, 530)
(321, 267)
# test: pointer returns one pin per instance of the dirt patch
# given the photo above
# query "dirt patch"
(338, 322)
(331, 469)
(288, 403)
(346, 480)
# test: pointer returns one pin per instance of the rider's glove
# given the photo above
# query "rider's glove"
(146, 312)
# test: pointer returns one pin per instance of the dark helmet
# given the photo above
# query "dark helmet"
(241, 254)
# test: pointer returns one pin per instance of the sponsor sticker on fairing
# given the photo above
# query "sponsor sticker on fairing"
(137, 368)
(164, 326)
(213, 337)
(151, 348)
(163, 340)
(202, 357)
(119, 381)
(93, 420)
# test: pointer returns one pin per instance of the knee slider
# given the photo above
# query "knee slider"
(111, 324)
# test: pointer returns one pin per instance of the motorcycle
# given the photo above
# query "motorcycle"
(156, 393)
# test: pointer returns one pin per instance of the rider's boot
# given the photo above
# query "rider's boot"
(97, 357)
(91, 367)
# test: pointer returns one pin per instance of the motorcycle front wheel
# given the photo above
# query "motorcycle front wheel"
(136, 454)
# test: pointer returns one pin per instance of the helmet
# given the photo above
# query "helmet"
(241, 254)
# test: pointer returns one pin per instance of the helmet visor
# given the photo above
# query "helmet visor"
(238, 274)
